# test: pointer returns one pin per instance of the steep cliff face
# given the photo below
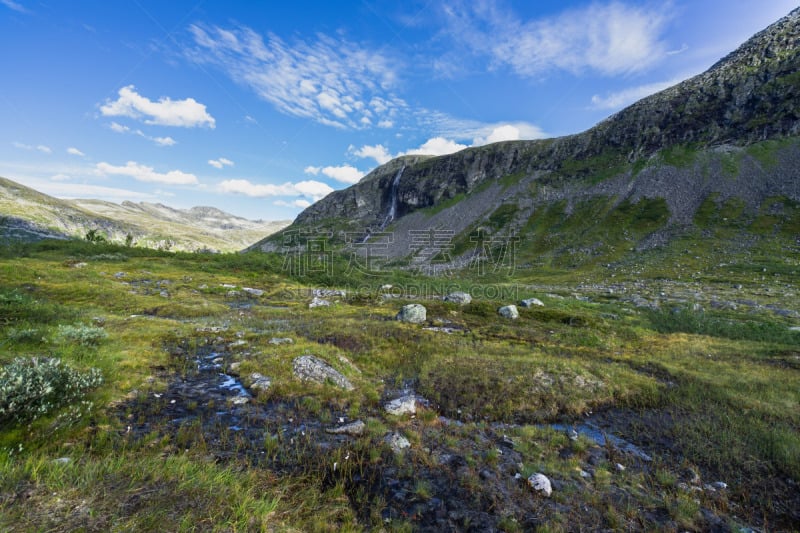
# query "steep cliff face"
(679, 145)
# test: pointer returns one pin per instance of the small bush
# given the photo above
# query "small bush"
(25, 335)
(83, 335)
(32, 387)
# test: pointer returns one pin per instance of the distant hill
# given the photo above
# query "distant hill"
(26, 214)
(721, 147)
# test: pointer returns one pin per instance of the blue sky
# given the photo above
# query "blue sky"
(260, 108)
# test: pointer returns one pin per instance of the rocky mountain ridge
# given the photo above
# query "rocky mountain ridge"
(26, 214)
(727, 133)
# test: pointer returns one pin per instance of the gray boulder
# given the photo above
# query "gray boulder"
(460, 298)
(405, 405)
(311, 368)
(259, 382)
(397, 442)
(509, 311)
(413, 313)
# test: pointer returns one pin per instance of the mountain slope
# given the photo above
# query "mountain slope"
(26, 214)
(729, 134)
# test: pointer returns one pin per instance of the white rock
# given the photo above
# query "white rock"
(353, 428)
(281, 340)
(397, 442)
(318, 302)
(540, 483)
(253, 292)
(509, 311)
(530, 302)
(405, 405)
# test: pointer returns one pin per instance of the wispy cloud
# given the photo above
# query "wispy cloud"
(160, 141)
(302, 204)
(74, 151)
(221, 162)
(328, 80)
(41, 147)
(620, 99)
(310, 188)
(186, 113)
(14, 6)
(610, 38)
(147, 174)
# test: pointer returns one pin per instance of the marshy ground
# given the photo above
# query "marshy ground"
(650, 402)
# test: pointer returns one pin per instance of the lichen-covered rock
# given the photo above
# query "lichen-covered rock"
(509, 311)
(413, 313)
(259, 382)
(405, 405)
(311, 368)
(460, 298)
(354, 429)
(531, 302)
(318, 302)
(540, 483)
(397, 442)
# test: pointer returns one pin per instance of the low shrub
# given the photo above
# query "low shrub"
(32, 387)
(83, 335)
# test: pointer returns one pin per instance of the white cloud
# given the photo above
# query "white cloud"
(61, 177)
(506, 132)
(312, 170)
(610, 38)
(74, 151)
(147, 174)
(221, 162)
(344, 173)
(311, 188)
(628, 96)
(481, 134)
(436, 146)
(160, 141)
(66, 189)
(385, 124)
(14, 6)
(163, 141)
(302, 204)
(186, 113)
(378, 152)
(22, 146)
(331, 81)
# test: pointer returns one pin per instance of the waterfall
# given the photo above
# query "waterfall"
(393, 198)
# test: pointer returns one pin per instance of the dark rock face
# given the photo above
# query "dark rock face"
(751, 95)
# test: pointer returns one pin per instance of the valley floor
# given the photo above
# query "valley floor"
(648, 403)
